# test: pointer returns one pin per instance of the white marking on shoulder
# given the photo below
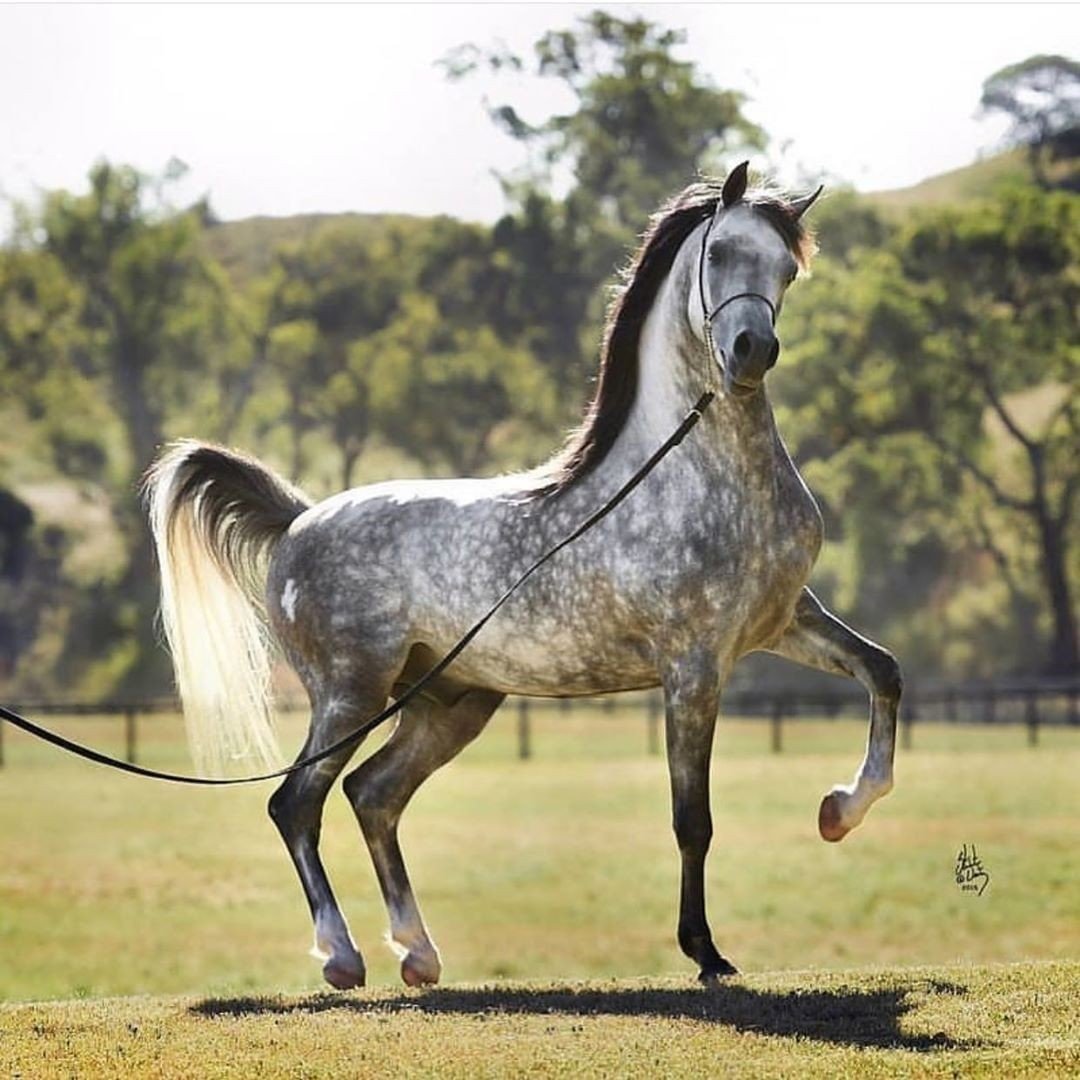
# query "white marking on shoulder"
(289, 596)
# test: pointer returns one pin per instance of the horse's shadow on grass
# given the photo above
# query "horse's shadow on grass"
(843, 1016)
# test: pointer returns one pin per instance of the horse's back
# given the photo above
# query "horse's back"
(373, 556)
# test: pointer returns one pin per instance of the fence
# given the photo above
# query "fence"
(1032, 703)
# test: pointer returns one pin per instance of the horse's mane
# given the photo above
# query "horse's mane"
(616, 385)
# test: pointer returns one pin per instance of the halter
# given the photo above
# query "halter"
(715, 354)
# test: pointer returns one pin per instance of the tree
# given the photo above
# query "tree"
(1041, 95)
(144, 295)
(945, 372)
(41, 339)
(110, 310)
(644, 123)
(343, 281)
(452, 397)
(293, 355)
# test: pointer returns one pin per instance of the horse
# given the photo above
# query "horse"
(363, 592)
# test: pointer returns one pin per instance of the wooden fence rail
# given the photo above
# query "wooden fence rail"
(1033, 703)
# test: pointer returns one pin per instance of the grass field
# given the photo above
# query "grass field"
(562, 867)
(1016, 1020)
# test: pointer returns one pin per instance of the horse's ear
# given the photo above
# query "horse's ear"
(735, 185)
(800, 206)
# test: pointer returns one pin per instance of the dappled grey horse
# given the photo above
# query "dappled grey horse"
(706, 562)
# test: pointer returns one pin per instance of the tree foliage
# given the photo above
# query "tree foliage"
(643, 123)
(937, 378)
(1041, 97)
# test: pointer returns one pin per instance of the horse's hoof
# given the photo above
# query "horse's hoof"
(830, 820)
(711, 976)
(419, 970)
(343, 976)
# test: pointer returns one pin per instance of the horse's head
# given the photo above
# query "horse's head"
(751, 250)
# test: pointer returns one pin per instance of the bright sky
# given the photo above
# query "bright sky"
(283, 109)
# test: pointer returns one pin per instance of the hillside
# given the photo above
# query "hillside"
(1015, 1020)
(973, 181)
(245, 247)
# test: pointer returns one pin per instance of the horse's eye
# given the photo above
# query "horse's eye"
(716, 252)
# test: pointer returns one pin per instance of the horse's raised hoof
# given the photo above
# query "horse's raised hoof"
(342, 975)
(711, 976)
(830, 820)
(417, 970)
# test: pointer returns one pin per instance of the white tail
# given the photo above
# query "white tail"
(214, 513)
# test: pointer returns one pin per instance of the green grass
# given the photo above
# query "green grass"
(1017, 1020)
(560, 867)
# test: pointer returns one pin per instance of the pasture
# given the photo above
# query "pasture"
(1013, 1020)
(562, 867)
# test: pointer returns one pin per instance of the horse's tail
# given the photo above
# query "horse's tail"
(215, 514)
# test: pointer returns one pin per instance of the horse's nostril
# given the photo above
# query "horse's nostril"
(774, 353)
(744, 345)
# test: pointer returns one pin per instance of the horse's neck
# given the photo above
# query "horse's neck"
(734, 436)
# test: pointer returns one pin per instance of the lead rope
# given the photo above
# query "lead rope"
(676, 437)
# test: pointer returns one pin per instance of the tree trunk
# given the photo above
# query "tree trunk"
(1064, 656)
(348, 464)
(149, 672)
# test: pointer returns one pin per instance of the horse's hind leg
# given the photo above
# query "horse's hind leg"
(296, 808)
(427, 737)
(819, 639)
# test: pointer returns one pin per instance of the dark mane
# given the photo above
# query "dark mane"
(617, 382)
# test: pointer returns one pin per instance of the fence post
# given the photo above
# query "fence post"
(776, 726)
(950, 704)
(907, 722)
(524, 742)
(652, 723)
(989, 706)
(1031, 718)
(1072, 717)
(129, 735)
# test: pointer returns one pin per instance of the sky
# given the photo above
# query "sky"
(281, 109)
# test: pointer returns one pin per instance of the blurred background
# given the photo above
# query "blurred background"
(371, 242)
(930, 365)
(365, 243)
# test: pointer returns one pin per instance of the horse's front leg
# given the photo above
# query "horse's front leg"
(819, 639)
(692, 695)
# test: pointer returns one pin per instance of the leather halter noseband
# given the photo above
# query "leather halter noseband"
(717, 355)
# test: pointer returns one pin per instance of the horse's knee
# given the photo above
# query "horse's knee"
(888, 679)
(693, 830)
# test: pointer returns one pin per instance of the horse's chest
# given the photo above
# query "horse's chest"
(738, 565)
